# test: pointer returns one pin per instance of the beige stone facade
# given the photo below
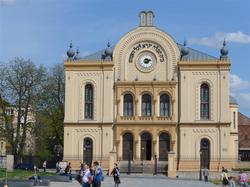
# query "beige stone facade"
(148, 66)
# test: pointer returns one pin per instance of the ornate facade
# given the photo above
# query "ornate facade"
(147, 97)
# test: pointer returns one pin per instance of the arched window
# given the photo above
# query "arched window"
(164, 146)
(128, 105)
(88, 150)
(88, 108)
(205, 153)
(146, 105)
(204, 101)
(146, 146)
(128, 142)
(164, 105)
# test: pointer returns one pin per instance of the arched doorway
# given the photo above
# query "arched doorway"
(127, 146)
(205, 153)
(146, 146)
(164, 146)
(88, 150)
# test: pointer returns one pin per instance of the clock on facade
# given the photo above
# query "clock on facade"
(146, 61)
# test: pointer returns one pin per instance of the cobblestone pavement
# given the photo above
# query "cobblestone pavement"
(141, 181)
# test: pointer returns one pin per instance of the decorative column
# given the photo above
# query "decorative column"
(118, 107)
(154, 149)
(155, 108)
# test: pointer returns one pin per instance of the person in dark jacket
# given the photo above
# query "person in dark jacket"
(116, 174)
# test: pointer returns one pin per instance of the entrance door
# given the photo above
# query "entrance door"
(146, 146)
(88, 150)
(205, 153)
(164, 146)
(127, 146)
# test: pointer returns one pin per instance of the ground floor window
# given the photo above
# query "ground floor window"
(164, 146)
(205, 153)
(88, 150)
(146, 146)
(127, 144)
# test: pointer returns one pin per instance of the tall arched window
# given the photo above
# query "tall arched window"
(205, 153)
(88, 108)
(164, 105)
(128, 108)
(127, 144)
(204, 101)
(146, 105)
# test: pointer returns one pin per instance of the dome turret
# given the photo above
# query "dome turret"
(70, 52)
(224, 50)
(184, 49)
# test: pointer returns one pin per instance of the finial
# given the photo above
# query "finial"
(108, 52)
(184, 49)
(108, 45)
(224, 50)
(77, 57)
(70, 52)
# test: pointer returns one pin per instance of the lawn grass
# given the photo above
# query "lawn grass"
(21, 174)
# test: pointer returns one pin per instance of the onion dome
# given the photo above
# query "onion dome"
(184, 49)
(70, 52)
(108, 51)
(77, 56)
(224, 50)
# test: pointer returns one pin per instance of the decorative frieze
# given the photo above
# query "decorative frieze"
(205, 73)
(86, 130)
(88, 74)
(204, 130)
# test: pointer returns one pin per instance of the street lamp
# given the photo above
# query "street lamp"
(200, 178)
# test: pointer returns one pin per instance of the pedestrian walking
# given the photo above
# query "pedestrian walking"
(205, 174)
(243, 179)
(224, 178)
(44, 166)
(231, 181)
(87, 179)
(116, 175)
(98, 175)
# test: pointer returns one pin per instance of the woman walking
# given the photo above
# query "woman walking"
(116, 174)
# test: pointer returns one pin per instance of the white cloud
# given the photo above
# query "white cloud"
(217, 39)
(240, 89)
(7, 2)
(236, 83)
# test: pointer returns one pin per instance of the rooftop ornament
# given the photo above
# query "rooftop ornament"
(70, 52)
(108, 53)
(224, 51)
(77, 56)
(184, 49)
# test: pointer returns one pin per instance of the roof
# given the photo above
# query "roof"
(96, 56)
(244, 131)
(193, 55)
(243, 120)
(232, 100)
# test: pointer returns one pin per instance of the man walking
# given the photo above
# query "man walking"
(98, 175)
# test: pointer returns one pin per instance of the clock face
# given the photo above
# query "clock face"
(146, 61)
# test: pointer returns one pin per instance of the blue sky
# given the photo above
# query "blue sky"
(42, 29)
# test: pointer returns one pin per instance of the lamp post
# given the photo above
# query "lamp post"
(200, 177)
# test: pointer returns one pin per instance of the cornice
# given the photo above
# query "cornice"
(204, 65)
(81, 65)
(145, 83)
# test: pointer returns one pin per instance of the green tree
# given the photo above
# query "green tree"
(21, 83)
(50, 115)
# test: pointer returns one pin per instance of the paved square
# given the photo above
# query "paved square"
(141, 181)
